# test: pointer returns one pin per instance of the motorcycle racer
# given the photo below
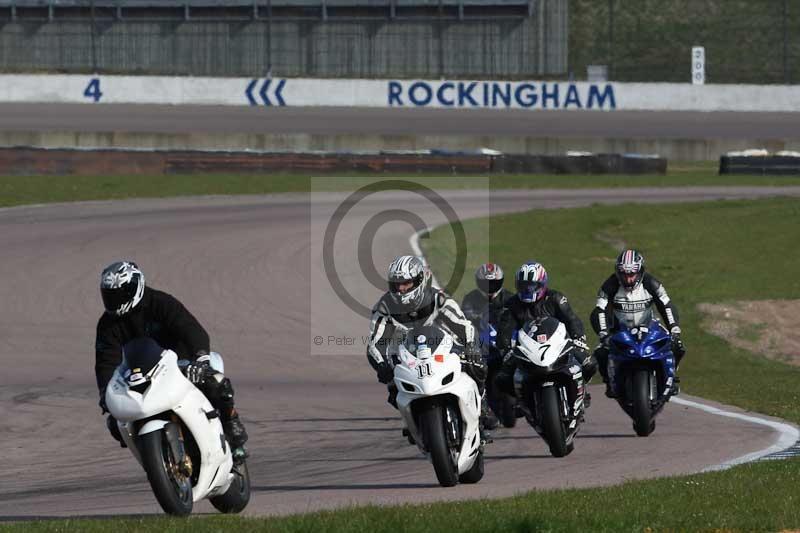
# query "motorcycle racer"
(134, 310)
(627, 297)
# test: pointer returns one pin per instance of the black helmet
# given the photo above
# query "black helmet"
(630, 269)
(122, 287)
(489, 279)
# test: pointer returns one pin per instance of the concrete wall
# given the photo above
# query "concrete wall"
(447, 93)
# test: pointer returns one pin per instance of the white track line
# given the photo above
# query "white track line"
(788, 434)
(413, 241)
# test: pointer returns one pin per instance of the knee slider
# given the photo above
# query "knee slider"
(225, 388)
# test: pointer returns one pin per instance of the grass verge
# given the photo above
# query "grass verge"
(20, 190)
(698, 502)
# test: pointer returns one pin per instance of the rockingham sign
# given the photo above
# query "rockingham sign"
(496, 94)
(528, 96)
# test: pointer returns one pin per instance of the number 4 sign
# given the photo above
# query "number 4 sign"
(93, 90)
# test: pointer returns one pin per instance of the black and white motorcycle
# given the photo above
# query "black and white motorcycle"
(174, 433)
(440, 405)
(549, 383)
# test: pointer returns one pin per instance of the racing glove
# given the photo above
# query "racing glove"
(605, 338)
(385, 372)
(580, 343)
(677, 343)
(198, 370)
(473, 365)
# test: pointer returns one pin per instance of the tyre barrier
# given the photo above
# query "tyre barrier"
(20, 161)
(760, 162)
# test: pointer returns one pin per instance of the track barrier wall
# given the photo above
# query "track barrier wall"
(455, 94)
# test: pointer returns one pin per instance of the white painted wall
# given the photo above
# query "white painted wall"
(532, 95)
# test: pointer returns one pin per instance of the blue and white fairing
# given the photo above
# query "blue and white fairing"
(647, 346)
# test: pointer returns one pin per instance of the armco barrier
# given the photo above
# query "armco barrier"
(65, 162)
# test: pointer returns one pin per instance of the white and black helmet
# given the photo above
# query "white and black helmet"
(489, 279)
(402, 271)
(122, 287)
(630, 268)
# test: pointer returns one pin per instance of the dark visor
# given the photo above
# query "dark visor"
(490, 286)
(113, 299)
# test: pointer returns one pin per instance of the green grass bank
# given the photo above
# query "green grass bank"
(21, 190)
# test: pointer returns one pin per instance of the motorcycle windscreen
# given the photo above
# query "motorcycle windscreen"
(140, 356)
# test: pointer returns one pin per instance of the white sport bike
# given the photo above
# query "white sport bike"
(440, 405)
(174, 432)
(549, 383)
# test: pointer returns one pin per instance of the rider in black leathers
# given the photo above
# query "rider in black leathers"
(534, 300)
(134, 311)
(490, 296)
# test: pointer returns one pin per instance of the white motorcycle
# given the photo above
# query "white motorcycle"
(174, 432)
(549, 383)
(440, 405)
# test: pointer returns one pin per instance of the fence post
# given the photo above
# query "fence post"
(610, 39)
(785, 42)
(269, 38)
(440, 26)
(93, 39)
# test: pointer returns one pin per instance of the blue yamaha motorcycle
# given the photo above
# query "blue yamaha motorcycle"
(641, 371)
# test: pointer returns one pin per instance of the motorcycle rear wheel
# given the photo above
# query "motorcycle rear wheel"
(474, 474)
(237, 496)
(172, 489)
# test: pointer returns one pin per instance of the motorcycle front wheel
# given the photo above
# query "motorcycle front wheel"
(171, 487)
(643, 422)
(432, 420)
(551, 423)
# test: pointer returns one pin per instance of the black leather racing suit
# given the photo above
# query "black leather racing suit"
(517, 313)
(387, 330)
(475, 304)
(634, 308)
(164, 319)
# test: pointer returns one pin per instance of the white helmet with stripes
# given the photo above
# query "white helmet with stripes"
(630, 268)
(409, 281)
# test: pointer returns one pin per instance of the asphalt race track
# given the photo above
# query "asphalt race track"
(406, 121)
(321, 434)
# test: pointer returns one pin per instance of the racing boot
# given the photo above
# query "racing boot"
(486, 436)
(488, 420)
(676, 386)
(219, 391)
(234, 430)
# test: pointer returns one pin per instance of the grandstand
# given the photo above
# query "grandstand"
(484, 39)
